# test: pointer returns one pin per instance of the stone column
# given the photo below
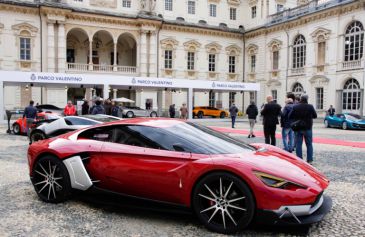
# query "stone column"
(115, 57)
(143, 54)
(190, 103)
(153, 55)
(50, 47)
(115, 93)
(90, 55)
(106, 91)
(61, 47)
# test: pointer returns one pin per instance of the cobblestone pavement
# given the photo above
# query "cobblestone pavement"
(23, 214)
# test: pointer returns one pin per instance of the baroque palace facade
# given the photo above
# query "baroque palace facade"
(313, 47)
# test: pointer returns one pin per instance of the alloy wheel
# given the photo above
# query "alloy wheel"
(344, 125)
(16, 128)
(200, 114)
(223, 203)
(130, 114)
(51, 180)
(153, 114)
(223, 115)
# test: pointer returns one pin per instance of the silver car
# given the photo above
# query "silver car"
(134, 111)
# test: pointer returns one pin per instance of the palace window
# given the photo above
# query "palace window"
(168, 5)
(233, 13)
(354, 41)
(319, 98)
(253, 96)
(298, 89)
(168, 59)
(275, 60)
(212, 10)
(126, 3)
(191, 60)
(299, 52)
(279, 7)
(25, 49)
(212, 62)
(274, 94)
(321, 57)
(253, 63)
(253, 12)
(351, 95)
(191, 7)
(232, 64)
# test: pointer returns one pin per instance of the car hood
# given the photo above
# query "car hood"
(362, 121)
(277, 162)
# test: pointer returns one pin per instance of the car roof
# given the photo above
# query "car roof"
(152, 122)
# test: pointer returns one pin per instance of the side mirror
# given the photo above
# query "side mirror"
(178, 147)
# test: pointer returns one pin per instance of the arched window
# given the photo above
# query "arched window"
(298, 89)
(354, 41)
(299, 51)
(351, 96)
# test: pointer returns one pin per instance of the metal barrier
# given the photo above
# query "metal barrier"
(9, 113)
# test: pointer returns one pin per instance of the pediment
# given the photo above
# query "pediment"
(18, 28)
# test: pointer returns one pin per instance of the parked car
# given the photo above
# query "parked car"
(67, 124)
(20, 125)
(225, 182)
(345, 121)
(135, 111)
(49, 108)
(201, 111)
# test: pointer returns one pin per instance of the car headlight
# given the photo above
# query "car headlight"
(277, 182)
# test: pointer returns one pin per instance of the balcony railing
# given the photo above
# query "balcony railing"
(80, 67)
(297, 71)
(351, 65)
(311, 7)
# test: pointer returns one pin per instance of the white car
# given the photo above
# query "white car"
(135, 111)
(67, 124)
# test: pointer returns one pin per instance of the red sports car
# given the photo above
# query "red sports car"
(20, 125)
(224, 181)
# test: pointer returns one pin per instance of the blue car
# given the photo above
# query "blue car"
(345, 121)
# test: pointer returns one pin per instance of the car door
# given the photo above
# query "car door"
(338, 120)
(136, 165)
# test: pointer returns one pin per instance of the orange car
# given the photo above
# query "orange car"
(201, 111)
(20, 125)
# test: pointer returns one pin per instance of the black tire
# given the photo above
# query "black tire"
(344, 126)
(130, 114)
(153, 114)
(210, 209)
(200, 114)
(37, 135)
(16, 128)
(51, 180)
(222, 115)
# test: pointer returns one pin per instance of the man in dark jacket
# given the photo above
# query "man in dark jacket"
(286, 132)
(233, 110)
(306, 113)
(270, 113)
(172, 111)
(98, 108)
(85, 107)
(331, 111)
(30, 114)
(252, 113)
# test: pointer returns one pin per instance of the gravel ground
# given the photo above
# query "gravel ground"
(23, 214)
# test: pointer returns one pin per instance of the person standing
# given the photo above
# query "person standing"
(286, 132)
(30, 114)
(233, 110)
(270, 113)
(172, 111)
(115, 109)
(331, 111)
(98, 108)
(252, 113)
(108, 107)
(184, 112)
(305, 113)
(85, 107)
(69, 109)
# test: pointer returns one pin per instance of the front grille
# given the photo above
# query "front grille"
(317, 199)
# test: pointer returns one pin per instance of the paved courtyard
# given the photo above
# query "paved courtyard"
(23, 214)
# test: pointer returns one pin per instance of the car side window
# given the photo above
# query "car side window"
(103, 134)
(79, 121)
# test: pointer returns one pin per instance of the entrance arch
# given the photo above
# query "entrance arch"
(77, 49)
(351, 96)
(298, 89)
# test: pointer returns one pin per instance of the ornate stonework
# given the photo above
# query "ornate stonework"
(320, 34)
(192, 45)
(18, 28)
(169, 43)
(234, 2)
(252, 2)
(252, 49)
(233, 50)
(275, 44)
(104, 3)
(213, 47)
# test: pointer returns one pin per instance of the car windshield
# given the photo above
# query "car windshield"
(53, 116)
(354, 117)
(101, 118)
(202, 140)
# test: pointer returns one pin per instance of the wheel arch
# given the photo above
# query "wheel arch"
(204, 174)
(39, 156)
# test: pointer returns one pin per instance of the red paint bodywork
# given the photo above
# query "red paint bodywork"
(170, 176)
(40, 116)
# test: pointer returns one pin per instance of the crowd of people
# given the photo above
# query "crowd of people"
(183, 111)
(99, 106)
(295, 119)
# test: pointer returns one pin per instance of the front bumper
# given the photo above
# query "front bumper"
(290, 218)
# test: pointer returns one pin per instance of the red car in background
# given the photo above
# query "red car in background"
(224, 181)
(20, 125)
